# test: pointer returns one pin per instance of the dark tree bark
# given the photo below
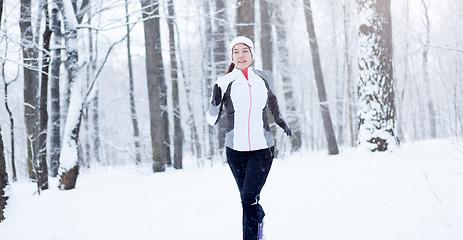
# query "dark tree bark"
(178, 131)
(84, 7)
(377, 112)
(288, 90)
(1, 12)
(69, 169)
(266, 40)
(245, 18)
(31, 82)
(325, 111)
(41, 165)
(3, 175)
(55, 138)
(133, 110)
(156, 83)
(221, 60)
(267, 9)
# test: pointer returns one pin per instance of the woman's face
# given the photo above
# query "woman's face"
(242, 57)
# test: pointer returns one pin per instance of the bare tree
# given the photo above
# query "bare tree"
(178, 131)
(351, 102)
(41, 164)
(156, 83)
(69, 169)
(221, 58)
(400, 97)
(266, 42)
(190, 119)
(325, 111)
(429, 96)
(377, 112)
(55, 138)
(3, 174)
(10, 113)
(283, 56)
(133, 110)
(245, 18)
(31, 81)
(95, 103)
(207, 66)
(1, 11)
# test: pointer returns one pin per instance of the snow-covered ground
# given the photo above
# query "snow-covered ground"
(415, 193)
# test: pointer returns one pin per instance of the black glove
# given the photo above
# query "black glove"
(217, 92)
(287, 130)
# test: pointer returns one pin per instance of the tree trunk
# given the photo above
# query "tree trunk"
(3, 174)
(266, 43)
(288, 91)
(93, 55)
(178, 131)
(406, 77)
(55, 138)
(10, 114)
(266, 40)
(96, 123)
(339, 80)
(208, 75)
(155, 78)
(325, 111)
(351, 102)
(221, 59)
(196, 147)
(1, 12)
(133, 110)
(86, 151)
(245, 18)
(94, 133)
(377, 112)
(41, 165)
(69, 169)
(427, 82)
(31, 82)
(190, 120)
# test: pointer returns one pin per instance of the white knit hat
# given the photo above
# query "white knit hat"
(244, 40)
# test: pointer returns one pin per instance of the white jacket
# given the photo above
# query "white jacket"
(245, 103)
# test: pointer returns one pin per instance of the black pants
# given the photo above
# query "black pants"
(250, 170)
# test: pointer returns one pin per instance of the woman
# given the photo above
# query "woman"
(246, 93)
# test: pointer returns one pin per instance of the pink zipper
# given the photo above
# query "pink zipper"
(249, 117)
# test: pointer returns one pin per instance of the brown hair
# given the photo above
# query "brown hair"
(230, 68)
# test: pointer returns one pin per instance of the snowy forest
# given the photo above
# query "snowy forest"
(87, 84)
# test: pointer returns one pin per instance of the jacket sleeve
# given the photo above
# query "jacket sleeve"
(215, 107)
(275, 110)
(272, 99)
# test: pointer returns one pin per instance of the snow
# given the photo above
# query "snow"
(68, 157)
(412, 193)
